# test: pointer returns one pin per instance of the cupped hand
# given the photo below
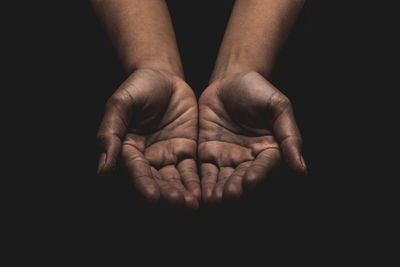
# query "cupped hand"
(245, 124)
(151, 121)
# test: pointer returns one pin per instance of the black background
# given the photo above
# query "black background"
(63, 59)
(281, 201)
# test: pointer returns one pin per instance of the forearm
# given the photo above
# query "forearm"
(142, 33)
(255, 32)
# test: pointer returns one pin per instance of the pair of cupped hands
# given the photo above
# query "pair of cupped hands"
(236, 133)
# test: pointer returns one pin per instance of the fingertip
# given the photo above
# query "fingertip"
(217, 196)
(152, 194)
(207, 195)
(101, 164)
(175, 198)
(147, 188)
(196, 193)
(232, 191)
(111, 146)
(107, 166)
(195, 190)
(298, 166)
(250, 180)
(304, 165)
(191, 202)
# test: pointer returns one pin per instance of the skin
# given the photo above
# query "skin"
(246, 124)
(255, 33)
(151, 120)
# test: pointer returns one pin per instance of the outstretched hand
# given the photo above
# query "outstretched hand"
(245, 126)
(245, 123)
(151, 120)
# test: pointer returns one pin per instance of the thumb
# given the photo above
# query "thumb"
(289, 137)
(112, 129)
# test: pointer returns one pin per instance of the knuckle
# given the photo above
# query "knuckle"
(185, 150)
(300, 140)
(280, 102)
(208, 153)
(192, 182)
(116, 100)
(284, 102)
(101, 137)
(295, 140)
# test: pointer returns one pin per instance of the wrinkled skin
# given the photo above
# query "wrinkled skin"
(151, 121)
(245, 126)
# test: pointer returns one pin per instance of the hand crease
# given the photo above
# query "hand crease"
(169, 139)
(177, 117)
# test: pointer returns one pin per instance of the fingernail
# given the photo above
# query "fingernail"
(303, 162)
(102, 162)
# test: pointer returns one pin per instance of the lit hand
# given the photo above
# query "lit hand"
(245, 124)
(152, 120)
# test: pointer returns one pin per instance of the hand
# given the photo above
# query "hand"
(245, 124)
(152, 119)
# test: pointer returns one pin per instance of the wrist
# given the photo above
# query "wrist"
(221, 71)
(240, 61)
(167, 66)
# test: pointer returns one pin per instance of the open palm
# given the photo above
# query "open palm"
(245, 123)
(152, 120)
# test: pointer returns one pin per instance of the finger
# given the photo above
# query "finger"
(140, 172)
(171, 180)
(112, 129)
(209, 174)
(233, 188)
(188, 171)
(173, 177)
(223, 175)
(167, 191)
(289, 137)
(259, 169)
